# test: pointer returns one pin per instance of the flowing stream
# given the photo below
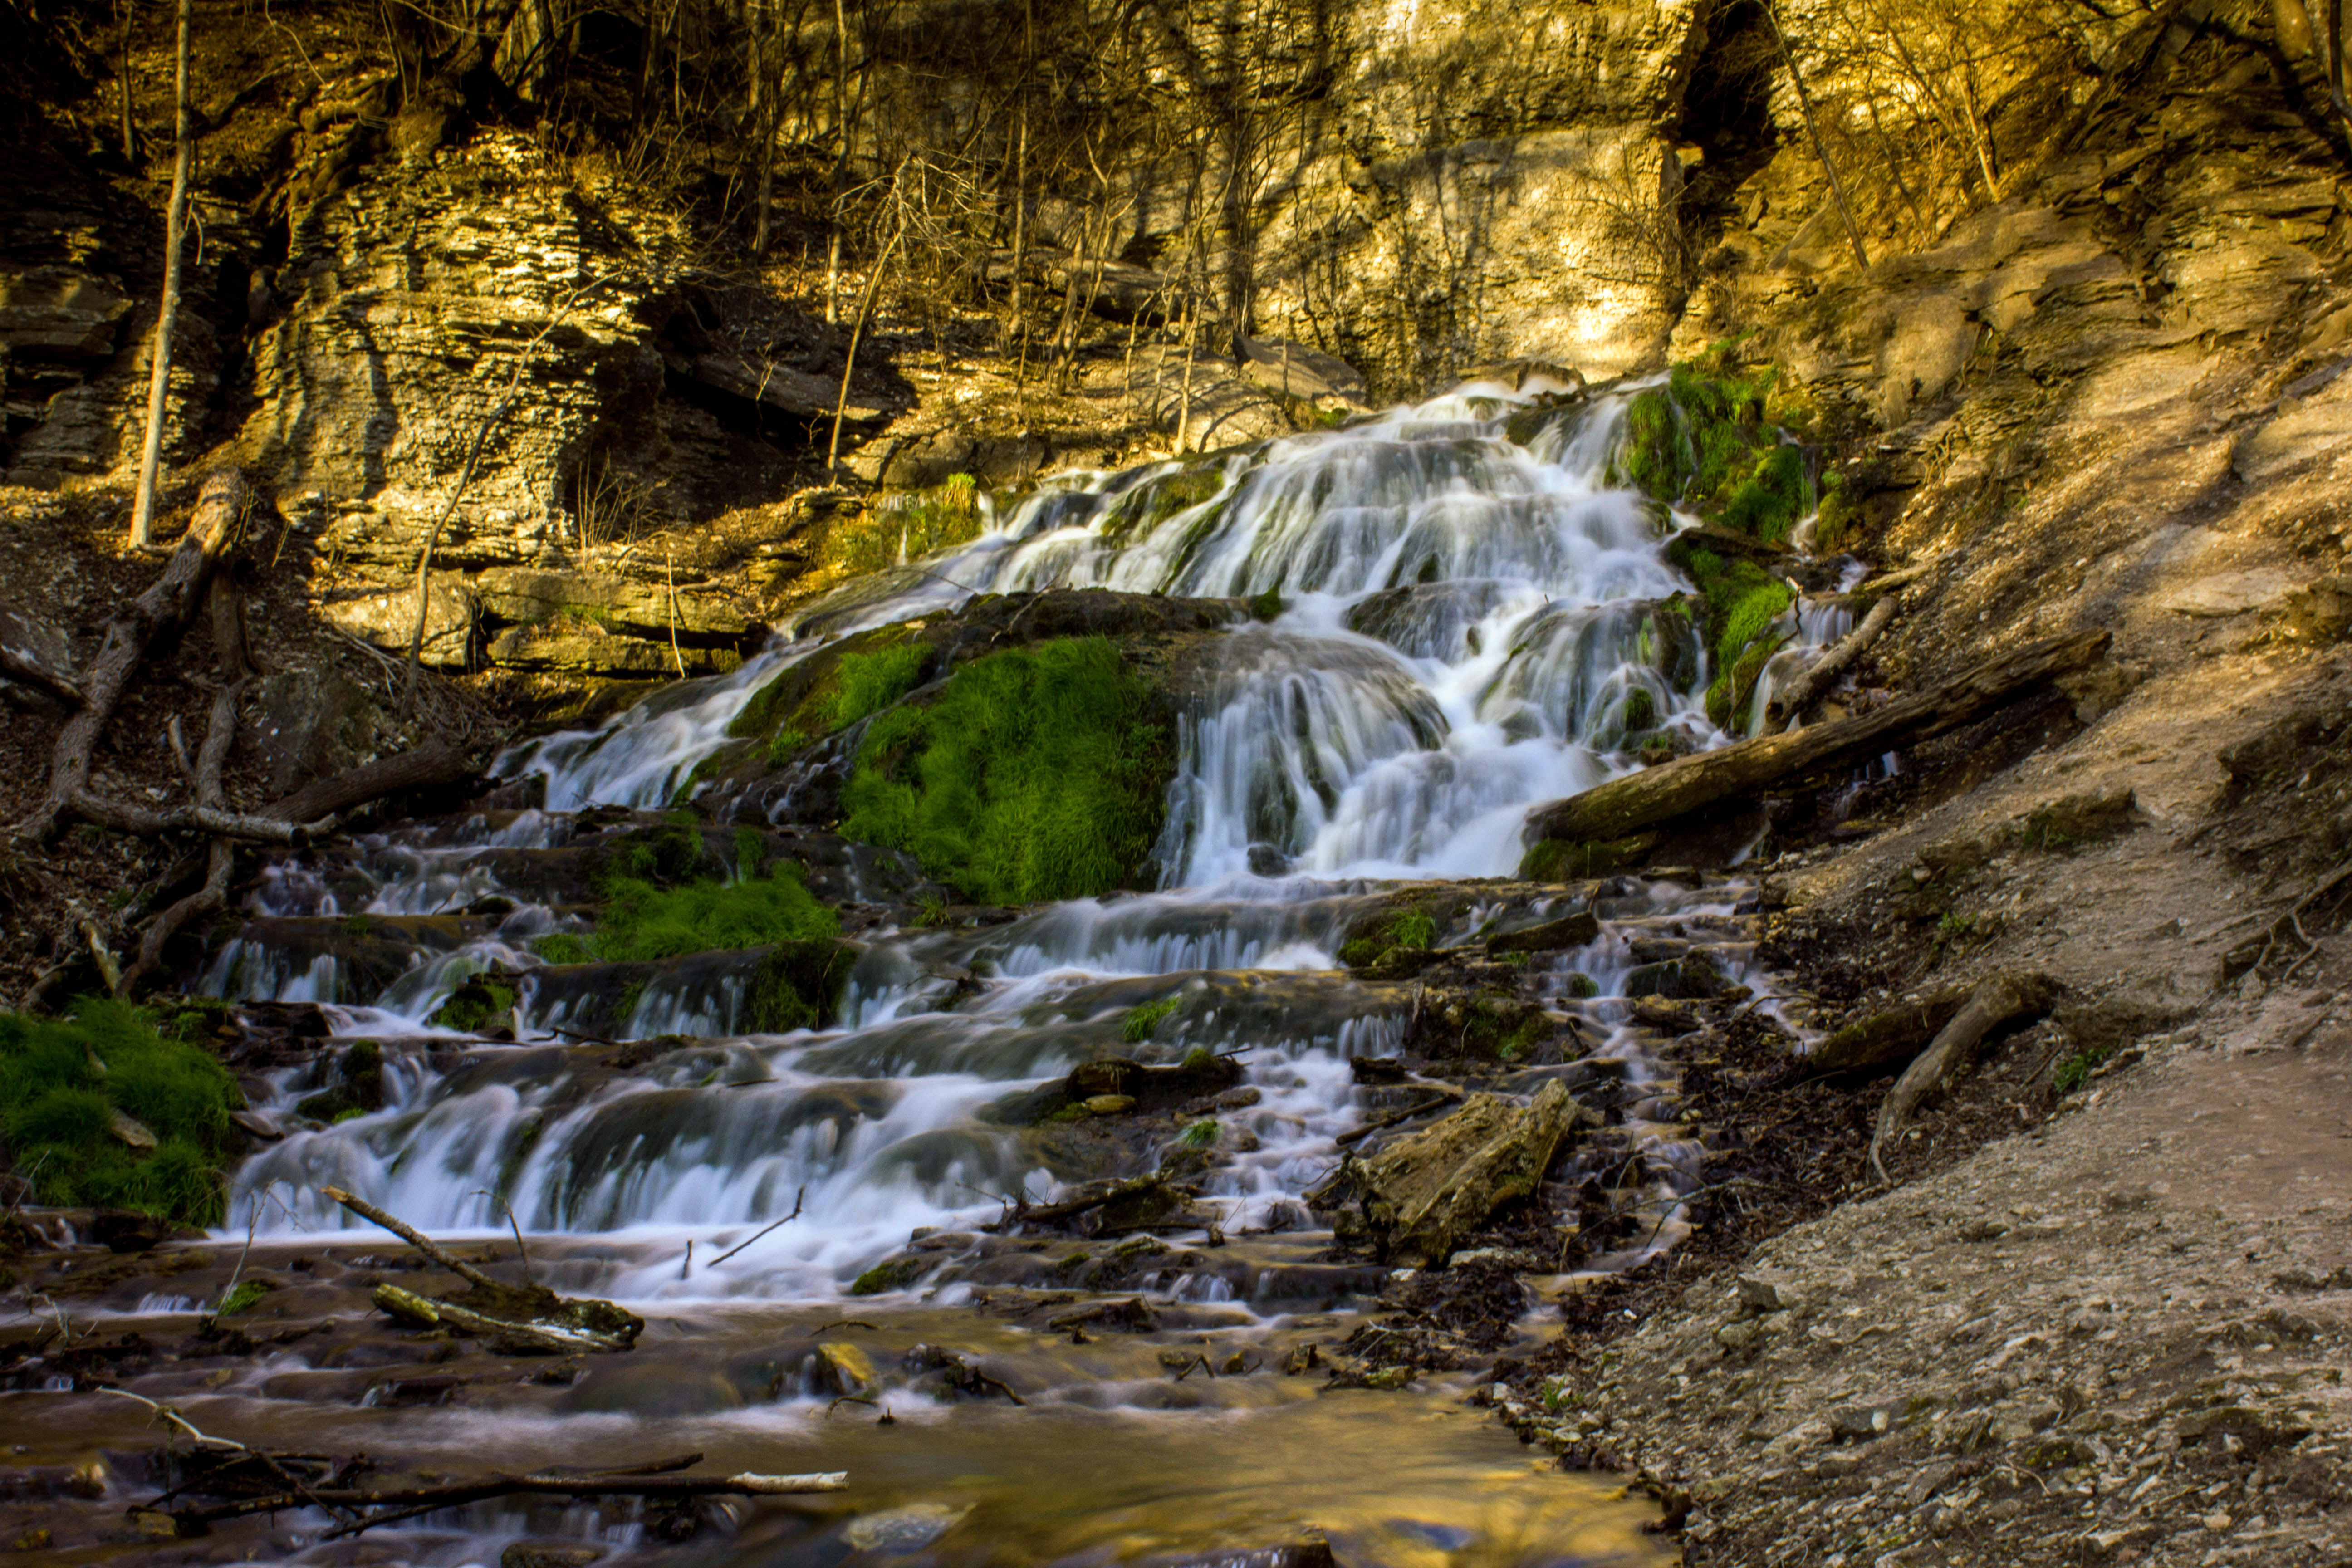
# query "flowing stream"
(1468, 626)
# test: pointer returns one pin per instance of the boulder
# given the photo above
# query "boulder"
(1412, 1202)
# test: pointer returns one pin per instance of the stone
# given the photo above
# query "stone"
(32, 641)
(1578, 930)
(1108, 1104)
(906, 1529)
(1761, 1293)
(1294, 369)
(848, 1369)
(314, 723)
(1863, 1423)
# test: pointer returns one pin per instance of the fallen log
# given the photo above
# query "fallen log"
(1791, 701)
(410, 1501)
(152, 618)
(518, 1319)
(1624, 807)
(1995, 1002)
(1896, 1035)
(1409, 1203)
(437, 761)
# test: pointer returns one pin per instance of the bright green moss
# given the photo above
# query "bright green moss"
(1754, 606)
(642, 920)
(1037, 773)
(58, 1111)
(561, 947)
(869, 682)
(1776, 493)
(1142, 1021)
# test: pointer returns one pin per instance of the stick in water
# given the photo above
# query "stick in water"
(797, 1201)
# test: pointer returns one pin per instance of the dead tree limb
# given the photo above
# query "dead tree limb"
(1790, 703)
(453, 1494)
(533, 1337)
(152, 618)
(1995, 1002)
(437, 761)
(1624, 806)
(411, 1234)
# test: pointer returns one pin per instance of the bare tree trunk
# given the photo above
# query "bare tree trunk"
(1813, 131)
(143, 511)
(130, 133)
(840, 162)
(849, 360)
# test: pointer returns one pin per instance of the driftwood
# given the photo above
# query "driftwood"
(518, 1319)
(1624, 806)
(1995, 1002)
(1791, 701)
(362, 1507)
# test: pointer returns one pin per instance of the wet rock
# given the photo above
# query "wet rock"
(847, 1369)
(1409, 1202)
(901, 1529)
(523, 1554)
(1689, 978)
(124, 1230)
(1108, 1104)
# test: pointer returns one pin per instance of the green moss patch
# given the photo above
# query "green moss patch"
(67, 1086)
(1139, 1022)
(644, 919)
(1035, 773)
(1136, 513)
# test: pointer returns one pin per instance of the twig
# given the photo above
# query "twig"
(797, 1201)
(529, 1277)
(203, 1439)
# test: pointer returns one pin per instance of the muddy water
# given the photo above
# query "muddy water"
(1471, 625)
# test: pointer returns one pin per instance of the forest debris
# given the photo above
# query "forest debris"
(360, 1509)
(35, 653)
(1411, 1201)
(1997, 1001)
(1626, 806)
(518, 1319)
(1134, 1196)
(1790, 703)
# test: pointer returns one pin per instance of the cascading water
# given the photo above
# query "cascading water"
(1467, 626)
(1452, 615)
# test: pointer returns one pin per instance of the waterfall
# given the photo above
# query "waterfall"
(1455, 626)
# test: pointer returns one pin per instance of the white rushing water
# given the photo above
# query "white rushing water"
(1468, 627)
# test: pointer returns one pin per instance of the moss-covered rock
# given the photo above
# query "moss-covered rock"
(1029, 775)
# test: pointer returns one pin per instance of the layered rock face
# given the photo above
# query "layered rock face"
(402, 325)
(1492, 183)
